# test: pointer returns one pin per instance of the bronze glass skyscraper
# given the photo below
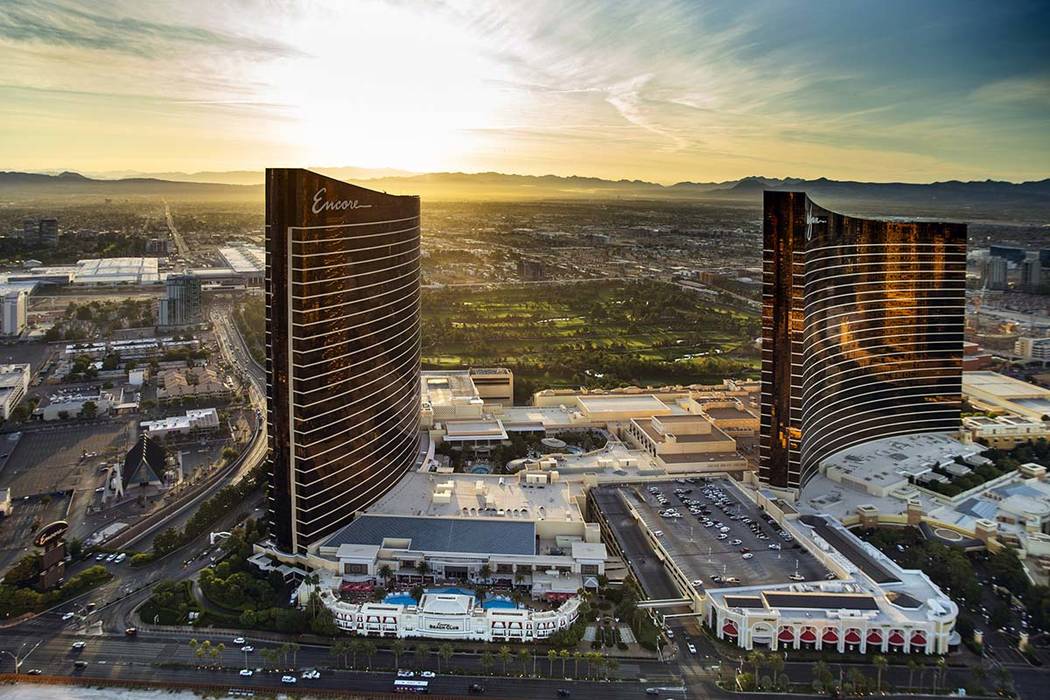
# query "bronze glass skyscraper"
(862, 332)
(342, 360)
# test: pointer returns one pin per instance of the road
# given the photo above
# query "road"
(180, 244)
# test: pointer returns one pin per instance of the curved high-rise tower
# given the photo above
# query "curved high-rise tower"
(862, 332)
(343, 341)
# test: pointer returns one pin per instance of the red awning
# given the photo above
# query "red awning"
(729, 628)
(896, 638)
(918, 639)
(786, 635)
(853, 636)
(874, 637)
(808, 635)
(830, 635)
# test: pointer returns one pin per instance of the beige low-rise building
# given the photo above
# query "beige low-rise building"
(684, 443)
(190, 383)
(1006, 431)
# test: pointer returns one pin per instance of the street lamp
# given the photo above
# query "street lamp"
(16, 655)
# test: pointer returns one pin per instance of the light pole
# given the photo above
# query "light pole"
(16, 655)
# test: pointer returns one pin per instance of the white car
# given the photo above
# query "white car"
(120, 557)
(111, 557)
(658, 533)
(312, 674)
(79, 645)
(238, 640)
(246, 672)
(697, 583)
(428, 674)
(289, 680)
(247, 648)
(774, 546)
(747, 555)
(797, 577)
(68, 616)
(669, 632)
(723, 536)
(406, 674)
(690, 647)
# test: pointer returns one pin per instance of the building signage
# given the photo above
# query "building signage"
(322, 205)
(442, 626)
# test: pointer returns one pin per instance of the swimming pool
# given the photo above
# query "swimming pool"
(400, 599)
(451, 590)
(499, 603)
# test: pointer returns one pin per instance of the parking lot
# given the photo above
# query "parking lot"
(718, 537)
(48, 459)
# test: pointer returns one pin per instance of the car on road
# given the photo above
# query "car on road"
(774, 546)
(797, 577)
(747, 555)
(131, 632)
(690, 647)
(312, 674)
(101, 556)
(428, 674)
(238, 640)
(80, 663)
(78, 645)
(289, 680)
(652, 691)
(246, 672)
(658, 533)
(402, 673)
(68, 616)
(120, 558)
(34, 672)
(563, 692)
(669, 632)
(476, 688)
(247, 648)
(697, 583)
(111, 557)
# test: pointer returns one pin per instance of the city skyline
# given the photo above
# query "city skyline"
(667, 91)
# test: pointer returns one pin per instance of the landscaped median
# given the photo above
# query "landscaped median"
(18, 594)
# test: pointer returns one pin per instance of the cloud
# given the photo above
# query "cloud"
(60, 24)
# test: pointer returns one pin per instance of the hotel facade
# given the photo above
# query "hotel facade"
(343, 341)
(862, 332)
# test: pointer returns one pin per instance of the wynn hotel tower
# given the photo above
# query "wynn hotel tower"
(343, 342)
(862, 332)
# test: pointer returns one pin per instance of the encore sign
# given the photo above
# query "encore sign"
(322, 205)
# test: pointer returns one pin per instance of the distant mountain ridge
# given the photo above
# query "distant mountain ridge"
(1027, 201)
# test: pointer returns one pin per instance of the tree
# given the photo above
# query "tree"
(386, 574)
(398, 648)
(487, 661)
(942, 667)
(564, 656)
(504, 656)
(913, 665)
(755, 658)
(89, 409)
(552, 655)
(423, 568)
(369, 647)
(485, 571)
(422, 651)
(775, 662)
(356, 646)
(822, 677)
(576, 656)
(340, 650)
(523, 657)
(880, 663)
(445, 652)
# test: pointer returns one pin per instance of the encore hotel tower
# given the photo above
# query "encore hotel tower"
(342, 360)
(862, 332)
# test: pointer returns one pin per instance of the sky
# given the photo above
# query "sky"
(658, 90)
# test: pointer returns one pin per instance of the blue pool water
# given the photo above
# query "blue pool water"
(499, 603)
(400, 599)
(451, 590)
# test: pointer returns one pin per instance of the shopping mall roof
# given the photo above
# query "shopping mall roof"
(432, 534)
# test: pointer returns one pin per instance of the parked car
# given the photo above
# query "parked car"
(403, 673)
(289, 680)
(690, 647)
(428, 674)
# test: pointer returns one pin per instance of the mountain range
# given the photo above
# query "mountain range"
(975, 200)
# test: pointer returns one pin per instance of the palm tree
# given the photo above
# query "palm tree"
(880, 663)
(912, 666)
(576, 656)
(294, 648)
(370, 650)
(487, 662)
(564, 655)
(821, 676)
(504, 656)
(423, 568)
(523, 657)
(339, 649)
(755, 658)
(355, 647)
(611, 666)
(942, 666)
(220, 647)
(775, 662)
(386, 573)
(485, 571)
(270, 655)
(552, 654)
(398, 648)
(445, 652)
(422, 651)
